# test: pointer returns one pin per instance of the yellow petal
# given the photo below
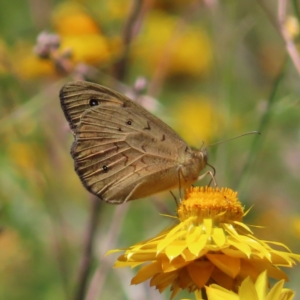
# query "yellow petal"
(174, 250)
(215, 292)
(200, 272)
(248, 269)
(141, 256)
(234, 253)
(287, 294)
(176, 228)
(229, 265)
(261, 285)
(219, 237)
(169, 239)
(197, 246)
(244, 226)
(280, 245)
(113, 251)
(273, 271)
(275, 292)
(207, 224)
(283, 258)
(259, 247)
(247, 290)
(175, 291)
(222, 279)
(146, 272)
(230, 229)
(240, 246)
(198, 295)
(175, 264)
(162, 280)
(194, 235)
(184, 278)
(188, 256)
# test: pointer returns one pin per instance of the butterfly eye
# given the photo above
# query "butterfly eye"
(105, 168)
(129, 122)
(93, 102)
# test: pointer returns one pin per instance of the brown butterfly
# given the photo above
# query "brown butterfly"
(121, 151)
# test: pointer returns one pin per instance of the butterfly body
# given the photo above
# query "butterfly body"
(121, 151)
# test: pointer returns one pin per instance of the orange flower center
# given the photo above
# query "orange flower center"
(221, 205)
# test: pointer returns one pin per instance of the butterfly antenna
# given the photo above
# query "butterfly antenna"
(233, 138)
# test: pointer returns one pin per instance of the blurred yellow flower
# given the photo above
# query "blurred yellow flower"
(71, 18)
(292, 26)
(81, 41)
(23, 155)
(296, 226)
(210, 244)
(196, 119)
(13, 256)
(182, 52)
(27, 65)
(252, 291)
(90, 49)
(80, 34)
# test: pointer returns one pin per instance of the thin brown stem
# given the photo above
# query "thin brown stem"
(280, 27)
(86, 260)
(113, 232)
(130, 30)
(264, 122)
(161, 71)
(289, 43)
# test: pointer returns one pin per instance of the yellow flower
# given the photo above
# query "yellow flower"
(28, 66)
(210, 244)
(71, 18)
(252, 291)
(13, 257)
(186, 51)
(292, 26)
(80, 33)
(201, 120)
(91, 49)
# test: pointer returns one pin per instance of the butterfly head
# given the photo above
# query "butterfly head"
(204, 155)
(201, 157)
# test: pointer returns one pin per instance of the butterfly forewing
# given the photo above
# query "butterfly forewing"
(121, 151)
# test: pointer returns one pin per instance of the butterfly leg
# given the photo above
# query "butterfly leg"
(130, 194)
(174, 198)
(213, 179)
(179, 183)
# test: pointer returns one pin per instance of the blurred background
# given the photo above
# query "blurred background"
(210, 69)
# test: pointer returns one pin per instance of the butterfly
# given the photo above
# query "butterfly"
(121, 151)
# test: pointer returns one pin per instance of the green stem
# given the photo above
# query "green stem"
(264, 122)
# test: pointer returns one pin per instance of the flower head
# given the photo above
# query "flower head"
(177, 51)
(258, 290)
(210, 244)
